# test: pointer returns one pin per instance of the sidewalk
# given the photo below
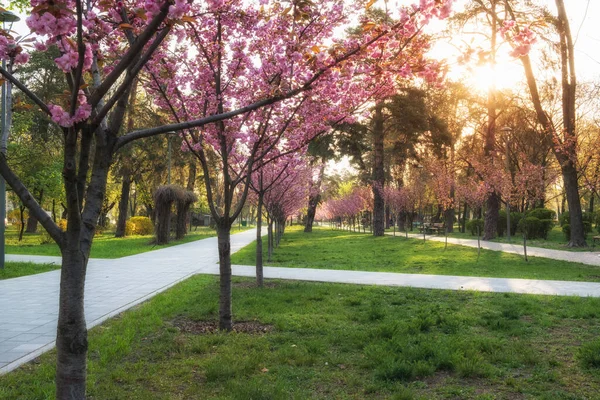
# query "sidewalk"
(590, 258)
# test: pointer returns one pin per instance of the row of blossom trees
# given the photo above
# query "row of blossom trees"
(234, 78)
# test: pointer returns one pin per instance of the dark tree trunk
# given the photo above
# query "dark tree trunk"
(224, 243)
(191, 183)
(123, 204)
(591, 206)
(313, 202)
(449, 220)
(491, 216)
(71, 340)
(32, 224)
(388, 215)
(465, 215)
(163, 224)
(402, 217)
(22, 216)
(378, 173)
(575, 213)
(259, 244)
(270, 239)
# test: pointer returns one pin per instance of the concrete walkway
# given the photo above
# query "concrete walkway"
(30, 304)
(584, 257)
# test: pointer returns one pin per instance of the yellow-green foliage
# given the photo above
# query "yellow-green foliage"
(139, 226)
(62, 224)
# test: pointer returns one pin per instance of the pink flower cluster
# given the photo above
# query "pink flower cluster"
(64, 119)
(522, 40)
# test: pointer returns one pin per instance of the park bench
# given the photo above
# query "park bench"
(436, 227)
(594, 240)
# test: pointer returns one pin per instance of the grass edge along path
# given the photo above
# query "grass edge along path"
(18, 269)
(108, 247)
(323, 341)
(325, 248)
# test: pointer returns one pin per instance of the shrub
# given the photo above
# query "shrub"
(531, 227)
(139, 226)
(501, 227)
(597, 220)
(473, 224)
(566, 228)
(129, 228)
(542, 213)
(587, 226)
(545, 227)
(564, 218)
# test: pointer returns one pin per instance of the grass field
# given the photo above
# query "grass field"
(16, 269)
(556, 240)
(331, 341)
(334, 249)
(105, 245)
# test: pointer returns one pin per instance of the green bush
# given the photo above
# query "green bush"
(473, 224)
(545, 227)
(566, 228)
(139, 226)
(564, 218)
(515, 217)
(587, 227)
(597, 220)
(531, 227)
(542, 213)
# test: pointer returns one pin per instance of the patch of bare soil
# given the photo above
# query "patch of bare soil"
(253, 285)
(187, 325)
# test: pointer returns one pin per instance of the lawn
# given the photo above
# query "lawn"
(325, 248)
(106, 245)
(556, 240)
(332, 341)
(16, 269)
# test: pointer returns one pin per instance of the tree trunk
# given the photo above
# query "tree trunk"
(388, 216)
(224, 243)
(378, 173)
(491, 216)
(32, 224)
(259, 246)
(313, 202)
(22, 216)
(591, 206)
(71, 338)
(123, 204)
(270, 240)
(575, 213)
(314, 199)
(449, 219)
(191, 183)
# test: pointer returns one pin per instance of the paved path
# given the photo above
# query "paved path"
(584, 257)
(29, 304)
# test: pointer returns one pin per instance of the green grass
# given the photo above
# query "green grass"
(556, 240)
(332, 341)
(335, 249)
(16, 269)
(105, 245)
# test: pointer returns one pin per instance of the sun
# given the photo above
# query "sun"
(505, 75)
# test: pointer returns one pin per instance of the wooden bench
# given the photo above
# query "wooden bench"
(594, 240)
(439, 227)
